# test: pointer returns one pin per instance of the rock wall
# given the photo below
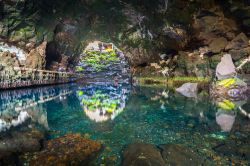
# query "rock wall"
(184, 37)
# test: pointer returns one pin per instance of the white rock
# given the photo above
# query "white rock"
(188, 89)
(225, 69)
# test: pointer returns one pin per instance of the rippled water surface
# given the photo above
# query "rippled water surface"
(120, 115)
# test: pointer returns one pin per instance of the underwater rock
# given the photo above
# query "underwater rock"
(225, 69)
(175, 154)
(188, 89)
(70, 149)
(231, 148)
(139, 154)
(20, 142)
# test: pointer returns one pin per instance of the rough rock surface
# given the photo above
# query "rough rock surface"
(70, 149)
(142, 154)
(36, 57)
(217, 45)
(175, 154)
(20, 142)
(138, 154)
(145, 31)
(239, 42)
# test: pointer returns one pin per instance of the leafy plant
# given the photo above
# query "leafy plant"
(97, 60)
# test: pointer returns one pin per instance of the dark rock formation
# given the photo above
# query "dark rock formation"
(70, 149)
(36, 57)
(142, 154)
(179, 155)
(138, 154)
(143, 30)
(18, 142)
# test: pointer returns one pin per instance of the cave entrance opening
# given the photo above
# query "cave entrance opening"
(103, 62)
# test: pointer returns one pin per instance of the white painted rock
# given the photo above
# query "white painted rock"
(188, 89)
(225, 69)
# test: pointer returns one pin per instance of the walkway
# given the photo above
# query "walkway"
(15, 77)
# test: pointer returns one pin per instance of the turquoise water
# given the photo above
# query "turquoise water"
(120, 115)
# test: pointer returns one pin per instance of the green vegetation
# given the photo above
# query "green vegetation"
(99, 100)
(96, 59)
(172, 81)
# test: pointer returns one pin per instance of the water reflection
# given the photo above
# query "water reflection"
(205, 110)
(227, 112)
(18, 106)
(103, 102)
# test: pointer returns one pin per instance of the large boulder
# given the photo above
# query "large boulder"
(16, 142)
(174, 154)
(138, 154)
(188, 89)
(225, 69)
(70, 149)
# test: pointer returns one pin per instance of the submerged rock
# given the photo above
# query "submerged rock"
(20, 142)
(234, 148)
(139, 154)
(188, 89)
(70, 149)
(175, 154)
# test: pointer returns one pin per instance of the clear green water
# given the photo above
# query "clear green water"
(130, 114)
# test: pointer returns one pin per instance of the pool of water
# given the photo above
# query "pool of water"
(118, 115)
